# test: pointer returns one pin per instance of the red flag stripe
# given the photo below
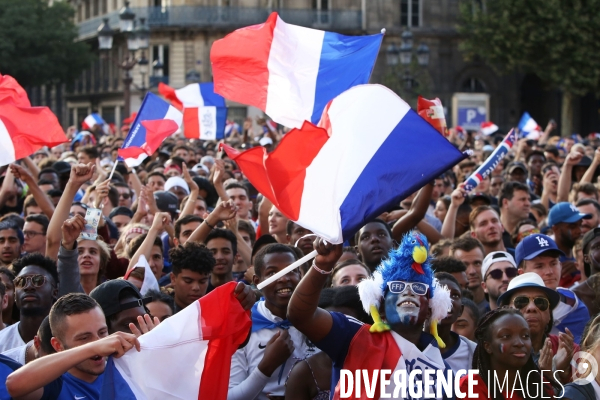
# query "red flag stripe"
(191, 125)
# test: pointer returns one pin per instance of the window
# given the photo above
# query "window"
(95, 8)
(473, 85)
(104, 7)
(161, 52)
(82, 112)
(87, 6)
(108, 114)
(410, 13)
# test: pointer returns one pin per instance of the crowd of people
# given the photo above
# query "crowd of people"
(519, 256)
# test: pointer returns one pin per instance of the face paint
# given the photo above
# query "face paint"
(402, 309)
(502, 348)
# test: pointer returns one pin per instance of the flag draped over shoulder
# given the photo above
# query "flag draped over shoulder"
(369, 151)
(288, 71)
(187, 356)
(24, 129)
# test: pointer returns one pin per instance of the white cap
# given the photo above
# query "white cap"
(265, 141)
(176, 181)
(199, 167)
(494, 257)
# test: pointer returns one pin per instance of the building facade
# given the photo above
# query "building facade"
(183, 31)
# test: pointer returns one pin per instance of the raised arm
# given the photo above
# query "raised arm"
(243, 249)
(69, 277)
(417, 212)
(303, 310)
(457, 198)
(8, 187)
(564, 182)
(160, 222)
(217, 179)
(80, 174)
(224, 211)
(31, 166)
(188, 209)
(40, 197)
(38, 373)
(589, 173)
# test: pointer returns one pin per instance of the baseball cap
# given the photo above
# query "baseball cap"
(265, 141)
(565, 212)
(61, 167)
(534, 245)
(177, 181)
(120, 211)
(588, 237)
(494, 257)
(528, 280)
(516, 165)
(166, 201)
(481, 195)
(107, 295)
(172, 166)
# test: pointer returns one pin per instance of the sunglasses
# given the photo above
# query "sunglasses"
(125, 196)
(521, 302)
(35, 280)
(497, 273)
(398, 287)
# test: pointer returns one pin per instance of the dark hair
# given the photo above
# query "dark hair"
(246, 226)
(587, 188)
(552, 150)
(446, 200)
(54, 193)
(515, 234)
(181, 146)
(113, 195)
(535, 153)
(2, 289)
(223, 234)
(345, 263)
(69, 304)
(44, 334)
(478, 210)
(587, 202)
(156, 173)
(121, 184)
(467, 243)
(448, 265)
(90, 150)
(437, 248)
(211, 193)
(237, 185)
(193, 256)
(44, 182)
(379, 221)
(272, 248)
(185, 220)
(326, 297)
(544, 211)
(161, 297)
(448, 277)
(136, 242)
(45, 263)
(7, 224)
(11, 275)
(39, 219)
(47, 171)
(482, 360)
(470, 304)
(348, 297)
(508, 191)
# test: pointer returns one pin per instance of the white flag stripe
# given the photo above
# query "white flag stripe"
(7, 148)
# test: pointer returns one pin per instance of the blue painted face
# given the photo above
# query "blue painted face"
(406, 308)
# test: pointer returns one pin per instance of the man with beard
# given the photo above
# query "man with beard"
(222, 243)
(36, 288)
(82, 343)
(565, 221)
(486, 227)
(374, 242)
(11, 240)
(498, 269)
(259, 369)
(515, 205)
(591, 207)
(470, 251)
(459, 350)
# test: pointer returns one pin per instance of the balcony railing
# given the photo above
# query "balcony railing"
(228, 18)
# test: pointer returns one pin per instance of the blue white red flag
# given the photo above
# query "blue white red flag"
(492, 162)
(528, 127)
(155, 121)
(290, 72)
(204, 111)
(333, 178)
(91, 120)
(187, 356)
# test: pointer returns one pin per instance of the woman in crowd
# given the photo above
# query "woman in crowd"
(349, 273)
(278, 225)
(441, 208)
(524, 228)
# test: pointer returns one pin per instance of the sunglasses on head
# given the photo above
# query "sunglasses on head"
(35, 280)
(497, 273)
(418, 288)
(521, 302)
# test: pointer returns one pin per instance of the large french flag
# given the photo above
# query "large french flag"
(24, 129)
(187, 356)
(290, 72)
(155, 121)
(204, 111)
(370, 151)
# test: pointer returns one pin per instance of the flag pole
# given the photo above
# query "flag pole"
(287, 269)
(113, 169)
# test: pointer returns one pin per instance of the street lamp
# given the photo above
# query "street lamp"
(157, 66)
(404, 54)
(137, 38)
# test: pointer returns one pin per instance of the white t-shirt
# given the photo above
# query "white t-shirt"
(461, 356)
(18, 353)
(596, 388)
(10, 338)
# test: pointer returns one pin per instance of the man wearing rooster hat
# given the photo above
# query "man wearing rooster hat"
(401, 296)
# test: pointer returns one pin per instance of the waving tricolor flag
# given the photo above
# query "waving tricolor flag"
(91, 120)
(529, 128)
(24, 129)
(204, 111)
(492, 162)
(370, 151)
(288, 71)
(155, 121)
(187, 356)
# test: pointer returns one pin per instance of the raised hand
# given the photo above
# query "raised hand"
(328, 255)
(458, 196)
(146, 324)
(71, 229)
(161, 221)
(81, 173)
(245, 295)
(573, 158)
(188, 179)
(21, 173)
(115, 345)
(101, 193)
(225, 210)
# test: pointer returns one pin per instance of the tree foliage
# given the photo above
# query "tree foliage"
(558, 40)
(37, 42)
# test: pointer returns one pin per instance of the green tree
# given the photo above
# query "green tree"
(408, 81)
(37, 42)
(558, 40)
